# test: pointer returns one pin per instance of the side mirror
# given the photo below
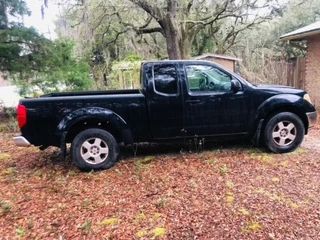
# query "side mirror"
(235, 86)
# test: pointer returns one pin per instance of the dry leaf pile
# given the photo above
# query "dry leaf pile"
(234, 192)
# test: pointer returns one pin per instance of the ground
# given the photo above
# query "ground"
(229, 192)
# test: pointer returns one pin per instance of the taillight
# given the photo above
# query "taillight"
(21, 115)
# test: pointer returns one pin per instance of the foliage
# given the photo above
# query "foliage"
(60, 70)
(19, 48)
(110, 31)
(18, 44)
(8, 122)
(264, 55)
(108, 34)
(36, 64)
(8, 125)
(11, 8)
(175, 23)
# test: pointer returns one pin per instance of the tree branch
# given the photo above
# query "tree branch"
(149, 30)
(153, 10)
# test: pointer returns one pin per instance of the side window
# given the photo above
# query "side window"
(146, 74)
(204, 78)
(165, 79)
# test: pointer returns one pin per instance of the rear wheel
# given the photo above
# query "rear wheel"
(94, 149)
(284, 132)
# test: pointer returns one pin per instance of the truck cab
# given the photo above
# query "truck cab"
(199, 98)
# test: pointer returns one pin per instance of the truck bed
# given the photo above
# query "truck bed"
(46, 112)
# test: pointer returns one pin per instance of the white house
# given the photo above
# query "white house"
(9, 94)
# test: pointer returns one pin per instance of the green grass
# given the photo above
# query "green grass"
(21, 232)
(4, 157)
(86, 226)
(110, 221)
(224, 170)
(5, 207)
(159, 232)
(252, 226)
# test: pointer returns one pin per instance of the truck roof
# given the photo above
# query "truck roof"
(177, 61)
(192, 61)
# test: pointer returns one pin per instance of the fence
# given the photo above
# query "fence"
(296, 73)
(125, 75)
(280, 72)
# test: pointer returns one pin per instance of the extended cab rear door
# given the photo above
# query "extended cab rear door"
(164, 100)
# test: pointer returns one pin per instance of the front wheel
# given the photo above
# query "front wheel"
(94, 149)
(284, 132)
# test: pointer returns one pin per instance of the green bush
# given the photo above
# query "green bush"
(8, 122)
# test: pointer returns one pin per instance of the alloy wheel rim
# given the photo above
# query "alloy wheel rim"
(284, 133)
(94, 150)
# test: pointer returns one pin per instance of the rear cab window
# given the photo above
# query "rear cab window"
(165, 79)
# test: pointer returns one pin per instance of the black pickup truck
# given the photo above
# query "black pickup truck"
(178, 100)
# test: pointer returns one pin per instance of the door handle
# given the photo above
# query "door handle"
(193, 101)
(215, 99)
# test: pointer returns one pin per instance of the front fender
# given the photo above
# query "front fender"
(280, 101)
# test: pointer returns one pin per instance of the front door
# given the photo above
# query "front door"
(211, 107)
(164, 101)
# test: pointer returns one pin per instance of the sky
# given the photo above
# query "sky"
(43, 25)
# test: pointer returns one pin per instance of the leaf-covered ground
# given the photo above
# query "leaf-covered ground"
(234, 192)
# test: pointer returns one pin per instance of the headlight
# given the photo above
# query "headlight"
(307, 98)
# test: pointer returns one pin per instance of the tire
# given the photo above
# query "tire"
(284, 132)
(94, 149)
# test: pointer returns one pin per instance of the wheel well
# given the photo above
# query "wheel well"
(294, 110)
(92, 123)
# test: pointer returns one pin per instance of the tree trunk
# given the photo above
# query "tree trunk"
(3, 15)
(171, 31)
(178, 43)
(173, 46)
(185, 43)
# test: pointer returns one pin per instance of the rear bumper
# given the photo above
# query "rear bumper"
(21, 141)
(312, 118)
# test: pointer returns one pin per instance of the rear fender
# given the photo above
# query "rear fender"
(95, 113)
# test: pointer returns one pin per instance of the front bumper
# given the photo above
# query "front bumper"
(312, 118)
(21, 141)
